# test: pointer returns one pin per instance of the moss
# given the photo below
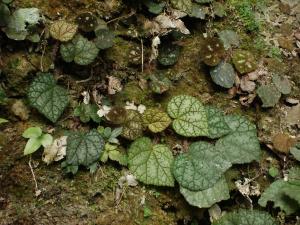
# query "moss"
(245, 10)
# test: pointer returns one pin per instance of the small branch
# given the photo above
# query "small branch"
(37, 190)
(142, 44)
(121, 17)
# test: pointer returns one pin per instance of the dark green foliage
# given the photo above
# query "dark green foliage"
(47, 97)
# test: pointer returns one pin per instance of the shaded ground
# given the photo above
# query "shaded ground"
(90, 198)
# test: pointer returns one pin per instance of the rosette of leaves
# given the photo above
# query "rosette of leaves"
(168, 54)
(83, 148)
(87, 22)
(189, 116)
(47, 97)
(212, 51)
(36, 139)
(244, 61)
(159, 83)
(104, 38)
(284, 194)
(156, 120)
(87, 112)
(110, 135)
(133, 125)
(151, 163)
(62, 30)
(80, 50)
(223, 75)
(21, 23)
(246, 217)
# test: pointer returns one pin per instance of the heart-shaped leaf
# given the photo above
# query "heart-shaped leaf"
(151, 164)
(156, 119)
(133, 125)
(189, 116)
(200, 168)
(80, 50)
(47, 97)
(217, 126)
(223, 75)
(84, 148)
(105, 38)
(239, 147)
(246, 217)
(269, 95)
(244, 61)
(208, 197)
(62, 30)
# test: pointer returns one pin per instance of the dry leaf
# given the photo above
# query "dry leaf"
(62, 30)
(283, 142)
(56, 151)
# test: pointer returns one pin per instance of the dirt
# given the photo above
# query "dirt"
(91, 198)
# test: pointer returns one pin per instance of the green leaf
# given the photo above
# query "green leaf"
(229, 38)
(46, 140)
(20, 21)
(47, 97)
(282, 84)
(4, 14)
(154, 7)
(62, 30)
(239, 123)
(223, 75)
(105, 38)
(246, 217)
(2, 120)
(244, 61)
(86, 112)
(168, 54)
(208, 197)
(151, 164)
(84, 148)
(200, 168)
(133, 126)
(269, 95)
(80, 50)
(217, 126)
(204, 1)
(276, 193)
(239, 147)
(182, 5)
(156, 119)
(32, 145)
(32, 132)
(292, 191)
(295, 151)
(189, 116)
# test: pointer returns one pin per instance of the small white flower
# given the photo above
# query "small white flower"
(141, 109)
(103, 111)
(130, 105)
(86, 97)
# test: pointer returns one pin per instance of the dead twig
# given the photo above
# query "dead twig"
(37, 190)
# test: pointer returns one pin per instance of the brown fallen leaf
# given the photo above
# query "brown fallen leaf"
(283, 142)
